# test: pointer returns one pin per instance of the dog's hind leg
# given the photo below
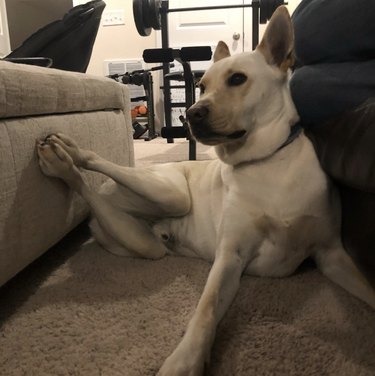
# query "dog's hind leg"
(338, 266)
(107, 241)
(129, 231)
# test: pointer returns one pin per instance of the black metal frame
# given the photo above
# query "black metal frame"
(188, 77)
(142, 77)
(149, 98)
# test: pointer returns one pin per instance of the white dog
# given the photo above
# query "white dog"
(262, 208)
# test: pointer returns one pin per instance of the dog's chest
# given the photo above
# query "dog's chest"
(280, 202)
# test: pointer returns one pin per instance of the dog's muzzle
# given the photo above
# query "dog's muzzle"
(200, 128)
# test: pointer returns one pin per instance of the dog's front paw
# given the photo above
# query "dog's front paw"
(55, 162)
(79, 156)
(52, 159)
(182, 364)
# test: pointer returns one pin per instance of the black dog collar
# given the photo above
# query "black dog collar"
(295, 131)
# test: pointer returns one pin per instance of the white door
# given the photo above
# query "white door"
(4, 33)
(206, 27)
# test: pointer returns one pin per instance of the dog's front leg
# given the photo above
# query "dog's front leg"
(190, 356)
(172, 197)
(127, 231)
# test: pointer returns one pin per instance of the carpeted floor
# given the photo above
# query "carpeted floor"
(159, 151)
(79, 310)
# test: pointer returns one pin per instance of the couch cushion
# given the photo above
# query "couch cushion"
(345, 147)
(37, 211)
(31, 90)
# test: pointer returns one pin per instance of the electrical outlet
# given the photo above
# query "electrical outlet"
(114, 17)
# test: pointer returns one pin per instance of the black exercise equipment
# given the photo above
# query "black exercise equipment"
(147, 13)
(165, 55)
(141, 77)
(184, 56)
(67, 42)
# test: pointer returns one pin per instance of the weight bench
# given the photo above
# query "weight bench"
(184, 56)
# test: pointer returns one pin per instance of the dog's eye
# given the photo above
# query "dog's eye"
(236, 79)
(202, 88)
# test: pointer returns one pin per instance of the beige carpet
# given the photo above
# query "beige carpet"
(159, 151)
(79, 310)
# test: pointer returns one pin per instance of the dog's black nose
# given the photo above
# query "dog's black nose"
(197, 113)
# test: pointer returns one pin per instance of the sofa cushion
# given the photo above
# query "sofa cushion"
(31, 90)
(345, 146)
(37, 211)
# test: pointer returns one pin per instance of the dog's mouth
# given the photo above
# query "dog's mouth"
(208, 137)
(236, 134)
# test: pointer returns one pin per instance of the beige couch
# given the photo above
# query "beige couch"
(36, 211)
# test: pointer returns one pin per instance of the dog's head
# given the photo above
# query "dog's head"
(245, 108)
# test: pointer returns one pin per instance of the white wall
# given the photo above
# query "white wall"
(4, 34)
(119, 41)
(292, 5)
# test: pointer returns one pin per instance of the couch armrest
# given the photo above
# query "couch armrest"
(30, 90)
(37, 211)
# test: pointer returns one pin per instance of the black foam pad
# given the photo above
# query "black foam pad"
(174, 132)
(158, 55)
(196, 53)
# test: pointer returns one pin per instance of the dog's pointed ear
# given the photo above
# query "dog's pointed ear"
(221, 51)
(277, 44)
